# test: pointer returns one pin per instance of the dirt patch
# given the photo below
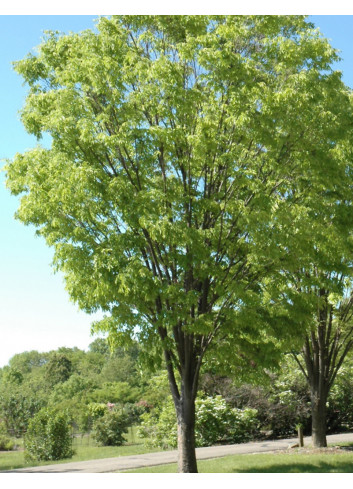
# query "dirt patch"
(311, 450)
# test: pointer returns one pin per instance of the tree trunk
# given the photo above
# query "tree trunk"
(318, 412)
(185, 409)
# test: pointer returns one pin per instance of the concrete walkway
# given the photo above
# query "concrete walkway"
(161, 458)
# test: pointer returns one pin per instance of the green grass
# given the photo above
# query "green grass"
(85, 449)
(267, 463)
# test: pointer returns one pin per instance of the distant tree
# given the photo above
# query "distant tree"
(25, 362)
(17, 407)
(77, 386)
(327, 343)
(99, 345)
(120, 368)
(58, 369)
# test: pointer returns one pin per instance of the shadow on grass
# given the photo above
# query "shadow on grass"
(300, 468)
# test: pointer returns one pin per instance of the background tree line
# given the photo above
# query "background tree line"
(83, 383)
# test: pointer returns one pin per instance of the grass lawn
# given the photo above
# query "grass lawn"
(270, 463)
(85, 449)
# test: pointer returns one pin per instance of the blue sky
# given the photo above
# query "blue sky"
(35, 310)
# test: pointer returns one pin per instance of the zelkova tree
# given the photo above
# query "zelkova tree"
(324, 287)
(185, 155)
(327, 343)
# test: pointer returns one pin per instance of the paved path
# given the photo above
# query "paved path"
(161, 458)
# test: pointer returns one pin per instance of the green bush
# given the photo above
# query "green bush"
(108, 430)
(48, 436)
(216, 422)
(5, 441)
(97, 409)
(340, 401)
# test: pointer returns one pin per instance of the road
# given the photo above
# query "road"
(161, 458)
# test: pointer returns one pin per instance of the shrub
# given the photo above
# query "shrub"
(340, 402)
(5, 441)
(281, 402)
(97, 409)
(48, 436)
(216, 422)
(108, 430)
(159, 427)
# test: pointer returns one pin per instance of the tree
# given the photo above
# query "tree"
(58, 369)
(99, 345)
(326, 346)
(18, 408)
(324, 285)
(186, 154)
(28, 360)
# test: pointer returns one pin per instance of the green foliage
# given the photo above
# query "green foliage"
(108, 430)
(5, 441)
(340, 401)
(122, 368)
(27, 361)
(156, 389)
(99, 345)
(188, 159)
(77, 386)
(116, 392)
(12, 376)
(17, 408)
(58, 369)
(281, 400)
(24, 386)
(97, 410)
(216, 422)
(48, 436)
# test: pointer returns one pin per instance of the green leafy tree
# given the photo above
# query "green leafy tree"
(27, 361)
(186, 156)
(99, 345)
(76, 386)
(120, 392)
(323, 284)
(120, 368)
(327, 343)
(17, 408)
(58, 369)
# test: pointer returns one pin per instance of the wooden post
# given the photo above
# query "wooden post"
(300, 436)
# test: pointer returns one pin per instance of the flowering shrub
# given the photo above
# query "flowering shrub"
(108, 430)
(216, 422)
(48, 436)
